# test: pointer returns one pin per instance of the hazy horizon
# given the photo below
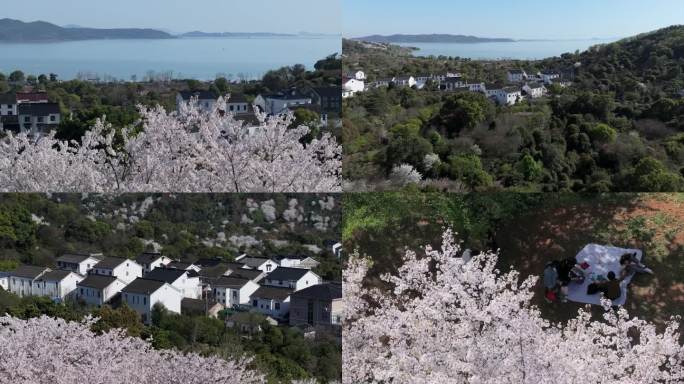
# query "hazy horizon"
(213, 16)
(520, 20)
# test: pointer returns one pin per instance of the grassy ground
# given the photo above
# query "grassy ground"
(559, 227)
(653, 223)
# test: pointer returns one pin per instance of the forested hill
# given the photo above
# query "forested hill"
(41, 31)
(651, 61)
(431, 38)
(35, 229)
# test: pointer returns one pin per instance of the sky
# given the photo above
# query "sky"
(315, 16)
(521, 19)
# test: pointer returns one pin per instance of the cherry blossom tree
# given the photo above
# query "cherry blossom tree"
(190, 150)
(452, 318)
(47, 350)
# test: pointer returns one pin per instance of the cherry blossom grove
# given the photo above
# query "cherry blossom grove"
(451, 318)
(54, 351)
(185, 151)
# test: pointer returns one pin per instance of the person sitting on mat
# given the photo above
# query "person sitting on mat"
(611, 288)
(551, 281)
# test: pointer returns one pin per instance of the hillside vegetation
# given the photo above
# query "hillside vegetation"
(618, 127)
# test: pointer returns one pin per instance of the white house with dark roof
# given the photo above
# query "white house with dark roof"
(124, 269)
(206, 100)
(452, 83)
(505, 95)
(279, 103)
(318, 305)
(22, 281)
(152, 260)
(547, 76)
(57, 285)
(534, 90)
(80, 263)
(143, 294)
(233, 291)
(352, 86)
(237, 104)
(187, 282)
(358, 75)
(294, 278)
(98, 289)
(260, 263)
(516, 76)
(37, 118)
(272, 301)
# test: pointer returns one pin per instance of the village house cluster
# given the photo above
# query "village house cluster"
(28, 111)
(325, 101)
(283, 290)
(520, 84)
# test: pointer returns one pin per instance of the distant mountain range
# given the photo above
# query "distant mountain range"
(432, 38)
(41, 31)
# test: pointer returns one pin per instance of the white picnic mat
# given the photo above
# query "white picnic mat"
(601, 259)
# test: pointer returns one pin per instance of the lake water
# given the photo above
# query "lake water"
(198, 58)
(521, 50)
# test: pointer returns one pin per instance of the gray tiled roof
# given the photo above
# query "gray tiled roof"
(97, 281)
(325, 291)
(143, 286)
(168, 275)
(110, 262)
(28, 271)
(78, 257)
(285, 273)
(269, 292)
(57, 275)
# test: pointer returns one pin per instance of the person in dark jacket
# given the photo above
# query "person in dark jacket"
(611, 288)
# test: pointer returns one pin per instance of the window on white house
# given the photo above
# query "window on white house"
(277, 306)
(255, 303)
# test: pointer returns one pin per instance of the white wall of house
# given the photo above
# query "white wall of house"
(405, 82)
(534, 92)
(516, 77)
(59, 288)
(190, 287)
(354, 86)
(4, 281)
(271, 307)
(31, 123)
(127, 271)
(230, 296)
(305, 263)
(163, 260)
(267, 266)
(97, 297)
(166, 295)
(206, 105)
(21, 286)
(8, 109)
